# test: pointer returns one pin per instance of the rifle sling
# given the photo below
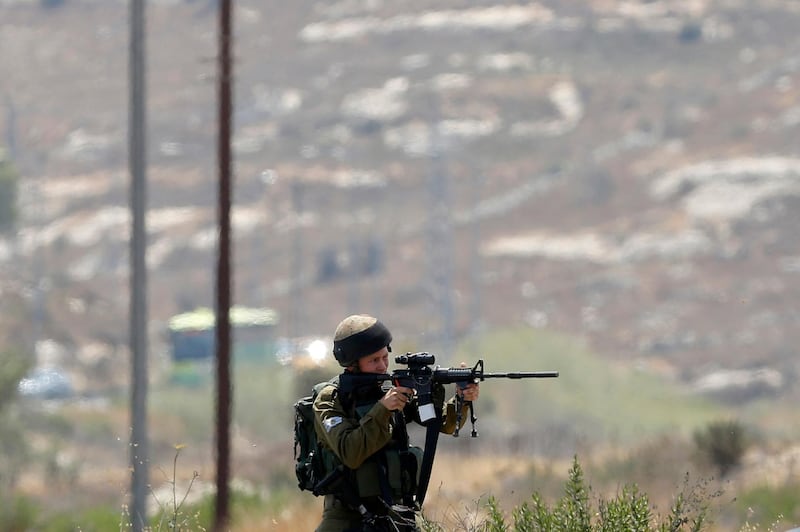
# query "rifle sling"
(431, 439)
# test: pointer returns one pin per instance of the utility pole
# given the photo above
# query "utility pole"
(11, 128)
(138, 288)
(440, 241)
(476, 266)
(355, 243)
(296, 303)
(223, 325)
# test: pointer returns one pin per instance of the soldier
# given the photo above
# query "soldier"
(366, 431)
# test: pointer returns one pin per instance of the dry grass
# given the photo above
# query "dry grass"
(300, 515)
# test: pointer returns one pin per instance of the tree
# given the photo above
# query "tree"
(722, 444)
(15, 361)
(13, 448)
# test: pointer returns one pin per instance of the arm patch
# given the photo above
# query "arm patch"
(331, 422)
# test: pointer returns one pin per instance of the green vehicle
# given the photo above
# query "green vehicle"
(192, 338)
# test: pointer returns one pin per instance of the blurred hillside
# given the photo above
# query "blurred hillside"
(621, 171)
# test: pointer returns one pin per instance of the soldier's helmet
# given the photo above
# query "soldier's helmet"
(357, 336)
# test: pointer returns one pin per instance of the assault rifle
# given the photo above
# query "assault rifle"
(421, 377)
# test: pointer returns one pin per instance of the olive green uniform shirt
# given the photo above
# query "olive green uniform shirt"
(354, 440)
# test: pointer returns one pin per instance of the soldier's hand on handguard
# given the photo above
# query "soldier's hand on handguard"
(397, 398)
(471, 391)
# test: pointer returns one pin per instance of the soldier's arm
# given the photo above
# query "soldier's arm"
(447, 409)
(451, 416)
(352, 440)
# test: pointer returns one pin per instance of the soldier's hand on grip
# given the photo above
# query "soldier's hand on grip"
(397, 398)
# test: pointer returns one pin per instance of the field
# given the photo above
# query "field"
(624, 424)
(620, 173)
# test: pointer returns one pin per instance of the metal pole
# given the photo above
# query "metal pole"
(476, 270)
(223, 327)
(296, 303)
(11, 129)
(440, 262)
(138, 287)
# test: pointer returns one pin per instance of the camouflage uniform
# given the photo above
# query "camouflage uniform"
(381, 468)
(367, 437)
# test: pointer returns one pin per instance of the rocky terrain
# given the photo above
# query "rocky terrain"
(623, 171)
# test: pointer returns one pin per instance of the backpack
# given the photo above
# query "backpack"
(318, 469)
(313, 463)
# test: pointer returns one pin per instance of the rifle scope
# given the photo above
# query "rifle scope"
(415, 359)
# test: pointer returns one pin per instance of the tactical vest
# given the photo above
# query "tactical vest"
(391, 474)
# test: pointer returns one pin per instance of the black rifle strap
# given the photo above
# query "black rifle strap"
(408, 462)
(431, 439)
(383, 478)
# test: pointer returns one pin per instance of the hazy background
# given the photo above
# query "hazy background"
(610, 189)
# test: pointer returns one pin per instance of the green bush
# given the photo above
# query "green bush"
(690, 32)
(764, 505)
(200, 515)
(722, 444)
(99, 519)
(14, 364)
(17, 514)
(8, 195)
(14, 448)
(629, 511)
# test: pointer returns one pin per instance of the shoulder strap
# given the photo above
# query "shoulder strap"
(431, 439)
(320, 385)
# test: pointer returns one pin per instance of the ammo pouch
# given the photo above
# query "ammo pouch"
(402, 474)
(334, 473)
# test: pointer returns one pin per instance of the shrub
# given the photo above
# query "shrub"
(14, 448)
(572, 511)
(8, 195)
(690, 32)
(199, 516)
(766, 504)
(722, 444)
(99, 519)
(17, 513)
(629, 511)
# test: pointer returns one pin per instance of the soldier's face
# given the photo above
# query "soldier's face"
(377, 362)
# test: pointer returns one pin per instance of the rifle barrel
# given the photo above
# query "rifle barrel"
(520, 375)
